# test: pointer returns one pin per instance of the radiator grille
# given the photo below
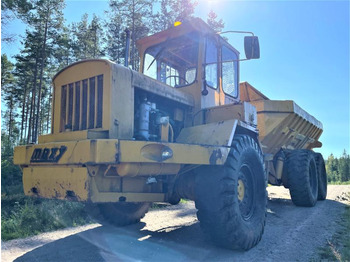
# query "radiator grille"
(82, 104)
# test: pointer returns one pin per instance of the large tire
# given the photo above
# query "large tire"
(118, 214)
(322, 177)
(302, 177)
(231, 199)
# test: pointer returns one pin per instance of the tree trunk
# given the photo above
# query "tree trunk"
(43, 58)
(32, 102)
(24, 100)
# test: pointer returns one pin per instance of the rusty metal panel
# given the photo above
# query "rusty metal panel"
(121, 103)
(79, 102)
(244, 111)
(248, 93)
(284, 124)
(214, 134)
(153, 86)
(151, 152)
(73, 136)
(79, 152)
(149, 169)
(67, 182)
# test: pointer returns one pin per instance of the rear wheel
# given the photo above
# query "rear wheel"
(322, 177)
(302, 177)
(231, 199)
(118, 214)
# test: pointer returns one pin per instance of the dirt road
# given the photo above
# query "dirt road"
(173, 234)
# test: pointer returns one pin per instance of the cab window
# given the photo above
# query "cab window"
(211, 63)
(174, 61)
(229, 71)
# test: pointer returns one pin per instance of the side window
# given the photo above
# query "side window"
(211, 61)
(190, 75)
(229, 71)
(169, 75)
(150, 69)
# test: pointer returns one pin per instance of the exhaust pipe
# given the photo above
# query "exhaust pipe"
(127, 48)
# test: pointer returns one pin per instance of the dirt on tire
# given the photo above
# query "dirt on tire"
(172, 233)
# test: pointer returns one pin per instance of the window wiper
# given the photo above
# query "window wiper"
(156, 57)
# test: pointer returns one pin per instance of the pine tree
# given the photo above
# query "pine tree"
(96, 35)
(214, 23)
(343, 167)
(9, 95)
(172, 11)
(165, 17)
(136, 16)
(11, 9)
(47, 22)
(183, 9)
(115, 38)
(64, 54)
(87, 38)
(24, 75)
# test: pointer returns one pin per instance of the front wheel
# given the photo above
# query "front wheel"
(231, 199)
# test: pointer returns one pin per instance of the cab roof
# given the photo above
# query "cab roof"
(193, 24)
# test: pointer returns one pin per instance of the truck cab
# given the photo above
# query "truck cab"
(193, 58)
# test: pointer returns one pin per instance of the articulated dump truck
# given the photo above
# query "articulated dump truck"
(182, 127)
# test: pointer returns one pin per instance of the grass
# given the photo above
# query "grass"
(339, 183)
(338, 248)
(22, 216)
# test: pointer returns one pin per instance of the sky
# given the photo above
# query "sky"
(304, 49)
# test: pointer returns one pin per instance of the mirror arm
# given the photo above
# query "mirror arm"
(238, 32)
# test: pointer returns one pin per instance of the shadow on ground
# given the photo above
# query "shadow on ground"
(178, 243)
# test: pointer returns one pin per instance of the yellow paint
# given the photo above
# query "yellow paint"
(77, 72)
(54, 182)
(149, 169)
(130, 152)
(79, 152)
(241, 190)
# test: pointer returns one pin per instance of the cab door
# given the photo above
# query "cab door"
(211, 84)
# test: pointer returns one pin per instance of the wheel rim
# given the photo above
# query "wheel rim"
(245, 192)
(241, 189)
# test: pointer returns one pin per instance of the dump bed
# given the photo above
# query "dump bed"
(282, 124)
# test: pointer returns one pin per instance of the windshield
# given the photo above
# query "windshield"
(174, 61)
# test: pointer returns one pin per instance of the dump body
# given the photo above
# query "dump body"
(282, 124)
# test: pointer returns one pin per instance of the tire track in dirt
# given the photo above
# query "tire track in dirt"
(173, 234)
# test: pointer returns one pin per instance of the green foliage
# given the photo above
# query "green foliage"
(338, 170)
(172, 11)
(133, 15)
(11, 176)
(11, 9)
(86, 38)
(214, 23)
(22, 216)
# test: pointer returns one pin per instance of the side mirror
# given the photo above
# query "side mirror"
(251, 47)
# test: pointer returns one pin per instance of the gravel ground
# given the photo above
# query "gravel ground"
(172, 233)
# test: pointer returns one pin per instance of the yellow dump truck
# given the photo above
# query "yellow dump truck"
(182, 127)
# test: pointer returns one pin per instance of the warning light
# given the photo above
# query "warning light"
(177, 23)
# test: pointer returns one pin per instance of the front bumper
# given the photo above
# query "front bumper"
(107, 170)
